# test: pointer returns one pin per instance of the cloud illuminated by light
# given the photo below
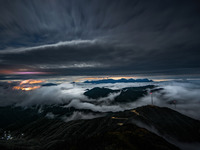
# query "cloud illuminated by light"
(26, 88)
(31, 81)
(14, 72)
(28, 85)
(41, 47)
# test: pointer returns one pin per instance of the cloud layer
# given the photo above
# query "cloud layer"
(186, 94)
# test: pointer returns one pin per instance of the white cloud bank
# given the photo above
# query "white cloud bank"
(187, 95)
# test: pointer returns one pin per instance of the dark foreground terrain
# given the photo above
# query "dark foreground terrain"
(147, 127)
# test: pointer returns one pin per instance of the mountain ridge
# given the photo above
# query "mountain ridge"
(122, 80)
(120, 127)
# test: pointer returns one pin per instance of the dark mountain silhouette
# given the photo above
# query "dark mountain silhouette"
(17, 116)
(167, 122)
(49, 84)
(123, 80)
(98, 92)
(122, 130)
(14, 117)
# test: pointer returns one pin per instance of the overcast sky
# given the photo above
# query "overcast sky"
(99, 37)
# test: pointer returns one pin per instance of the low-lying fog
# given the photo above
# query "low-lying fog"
(185, 93)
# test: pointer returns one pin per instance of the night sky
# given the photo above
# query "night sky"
(99, 37)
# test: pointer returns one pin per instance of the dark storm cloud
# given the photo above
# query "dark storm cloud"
(100, 37)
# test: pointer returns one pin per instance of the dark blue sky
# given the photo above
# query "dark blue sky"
(100, 37)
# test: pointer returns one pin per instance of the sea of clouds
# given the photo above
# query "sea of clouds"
(185, 93)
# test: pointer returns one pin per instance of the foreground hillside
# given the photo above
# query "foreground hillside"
(131, 129)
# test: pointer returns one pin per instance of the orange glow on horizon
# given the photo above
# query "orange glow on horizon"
(160, 80)
(6, 72)
(22, 72)
(31, 81)
(28, 85)
(30, 88)
(25, 88)
(16, 88)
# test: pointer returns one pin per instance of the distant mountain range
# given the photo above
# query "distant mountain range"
(123, 80)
